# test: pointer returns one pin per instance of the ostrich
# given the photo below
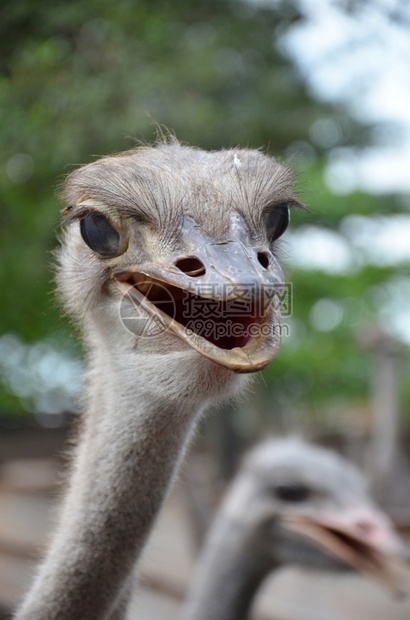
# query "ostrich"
(290, 503)
(154, 237)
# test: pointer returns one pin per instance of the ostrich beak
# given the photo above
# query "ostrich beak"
(362, 538)
(219, 297)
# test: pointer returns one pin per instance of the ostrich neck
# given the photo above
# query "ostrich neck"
(141, 412)
(227, 577)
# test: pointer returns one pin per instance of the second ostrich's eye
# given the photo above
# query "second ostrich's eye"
(277, 221)
(292, 492)
(99, 235)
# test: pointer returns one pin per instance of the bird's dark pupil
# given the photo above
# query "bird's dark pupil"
(99, 235)
(292, 492)
(277, 222)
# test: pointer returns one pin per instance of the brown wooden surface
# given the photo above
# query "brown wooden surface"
(28, 496)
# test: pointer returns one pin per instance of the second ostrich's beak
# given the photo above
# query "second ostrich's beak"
(218, 296)
(360, 537)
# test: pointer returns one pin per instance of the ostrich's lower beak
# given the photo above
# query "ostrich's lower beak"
(221, 298)
(361, 538)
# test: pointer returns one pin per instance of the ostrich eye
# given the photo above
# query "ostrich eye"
(292, 492)
(277, 221)
(99, 235)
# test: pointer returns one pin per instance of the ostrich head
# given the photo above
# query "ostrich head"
(177, 246)
(300, 504)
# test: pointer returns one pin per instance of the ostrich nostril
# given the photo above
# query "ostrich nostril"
(263, 258)
(191, 266)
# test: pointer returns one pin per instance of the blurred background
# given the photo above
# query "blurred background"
(324, 84)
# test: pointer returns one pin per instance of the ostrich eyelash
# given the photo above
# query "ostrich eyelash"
(66, 209)
(72, 214)
(78, 214)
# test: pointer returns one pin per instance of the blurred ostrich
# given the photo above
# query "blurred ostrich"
(151, 233)
(290, 503)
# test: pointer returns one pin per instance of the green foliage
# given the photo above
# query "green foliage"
(85, 80)
(322, 368)
(89, 79)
